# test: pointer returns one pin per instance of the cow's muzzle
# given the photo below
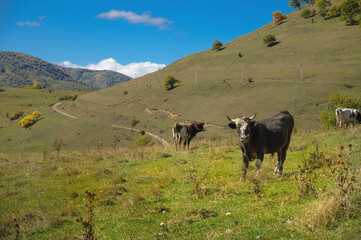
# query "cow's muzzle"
(244, 139)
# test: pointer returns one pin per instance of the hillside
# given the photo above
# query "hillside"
(99, 79)
(313, 60)
(18, 69)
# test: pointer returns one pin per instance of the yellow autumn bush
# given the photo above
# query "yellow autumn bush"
(30, 120)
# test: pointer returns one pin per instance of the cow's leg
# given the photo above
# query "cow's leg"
(176, 143)
(276, 171)
(180, 143)
(184, 144)
(244, 168)
(188, 141)
(259, 161)
(283, 158)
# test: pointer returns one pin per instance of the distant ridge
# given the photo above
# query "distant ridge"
(18, 69)
(96, 78)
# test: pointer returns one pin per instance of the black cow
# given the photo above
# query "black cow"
(269, 135)
(186, 132)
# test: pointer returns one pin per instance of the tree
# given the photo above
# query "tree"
(322, 7)
(349, 10)
(269, 39)
(217, 45)
(278, 17)
(295, 4)
(169, 82)
(335, 10)
(306, 13)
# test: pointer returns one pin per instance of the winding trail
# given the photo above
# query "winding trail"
(158, 138)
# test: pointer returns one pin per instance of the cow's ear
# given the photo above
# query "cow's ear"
(252, 124)
(232, 125)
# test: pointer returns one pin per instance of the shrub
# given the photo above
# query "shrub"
(71, 97)
(335, 10)
(239, 54)
(269, 39)
(322, 7)
(217, 45)
(143, 140)
(133, 121)
(16, 115)
(278, 17)
(349, 10)
(169, 82)
(307, 13)
(35, 85)
(29, 120)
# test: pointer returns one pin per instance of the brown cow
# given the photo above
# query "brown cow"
(186, 132)
(269, 135)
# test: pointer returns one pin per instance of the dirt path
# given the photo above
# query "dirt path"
(158, 138)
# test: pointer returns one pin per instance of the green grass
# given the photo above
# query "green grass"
(147, 193)
(77, 134)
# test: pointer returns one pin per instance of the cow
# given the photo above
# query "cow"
(347, 116)
(186, 132)
(269, 135)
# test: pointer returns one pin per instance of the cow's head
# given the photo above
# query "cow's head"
(199, 126)
(243, 126)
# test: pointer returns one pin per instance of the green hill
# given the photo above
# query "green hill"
(314, 59)
(99, 79)
(18, 69)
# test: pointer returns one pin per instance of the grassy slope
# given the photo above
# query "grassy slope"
(46, 193)
(329, 51)
(76, 134)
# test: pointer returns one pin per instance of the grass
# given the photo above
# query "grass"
(76, 134)
(155, 192)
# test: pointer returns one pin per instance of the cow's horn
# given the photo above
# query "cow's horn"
(253, 116)
(229, 119)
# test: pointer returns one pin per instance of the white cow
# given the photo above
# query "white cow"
(347, 116)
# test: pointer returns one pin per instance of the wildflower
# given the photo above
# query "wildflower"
(228, 213)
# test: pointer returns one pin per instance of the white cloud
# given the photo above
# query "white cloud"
(32, 24)
(28, 23)
(145, 18)
(133, 70)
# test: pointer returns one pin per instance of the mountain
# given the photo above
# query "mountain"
(18, 69)
(99, 79)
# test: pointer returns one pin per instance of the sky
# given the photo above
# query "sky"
(134, 37)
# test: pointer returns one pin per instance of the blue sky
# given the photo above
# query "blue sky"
(135, 36)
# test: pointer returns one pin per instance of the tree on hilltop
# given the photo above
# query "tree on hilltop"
(299, 3)
(278, 17)
(169, 82)
(217, 45)
(295, 4)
